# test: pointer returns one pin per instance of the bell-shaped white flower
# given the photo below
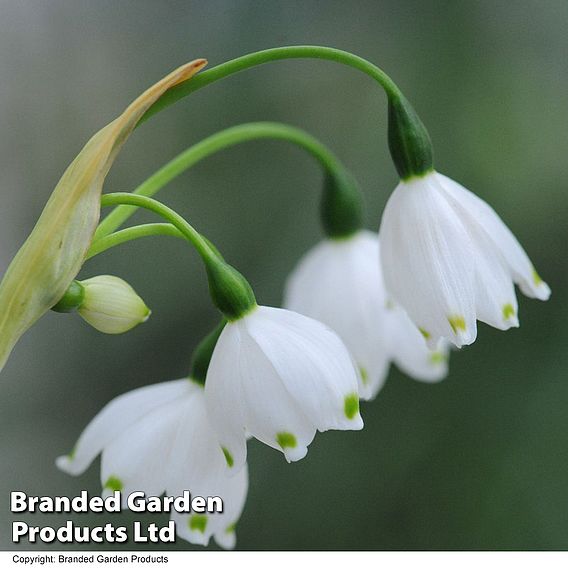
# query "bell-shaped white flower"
(159, 438)
(339, 282)
(449, 259)
(279, 376)
(111, 305)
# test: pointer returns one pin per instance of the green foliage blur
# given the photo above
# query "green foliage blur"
(479, 461)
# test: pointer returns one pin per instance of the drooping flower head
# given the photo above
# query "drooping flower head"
(280, 377)
(449, 259)
(339, 282)
(160, 439)
(53, 254)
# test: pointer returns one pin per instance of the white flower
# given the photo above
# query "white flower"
(159, 438)
(111, 305)
(280, 377)
(339, 283)
(448, 259)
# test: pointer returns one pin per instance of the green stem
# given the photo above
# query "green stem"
(229, 289)
(198, 242)
(215, 143)
(409, 142)
(132, 233)
(259, 58)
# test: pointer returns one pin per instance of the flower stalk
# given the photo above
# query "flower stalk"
(342, 204)
(229, 289)
(255, 59)
(409, 142)
(131, 234)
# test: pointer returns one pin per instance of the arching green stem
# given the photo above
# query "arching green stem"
(215, 143)
(266, 56)
(132, 233)
(229, 289)
(175, 219)
(409, 142)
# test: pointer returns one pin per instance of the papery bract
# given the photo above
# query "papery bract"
(54, 252)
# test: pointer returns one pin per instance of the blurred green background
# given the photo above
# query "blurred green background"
(479, 461)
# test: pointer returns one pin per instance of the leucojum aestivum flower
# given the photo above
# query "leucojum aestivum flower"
(356, 302)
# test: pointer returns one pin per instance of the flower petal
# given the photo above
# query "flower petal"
(495, 299)
(227, 538)
(410, 351)
(224, 396)
(272, 415)
(339, 284)
(138, 458)
(197, 461)
(197, 464)
(115, 418)
(198, 528)
(53, 254)
(234, 497)
(313, 364)
(425, 255)
(483, 214)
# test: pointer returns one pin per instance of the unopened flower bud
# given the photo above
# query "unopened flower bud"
(111, 305)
